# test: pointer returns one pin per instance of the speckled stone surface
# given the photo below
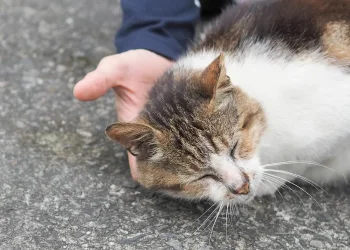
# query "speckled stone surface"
(64, 185)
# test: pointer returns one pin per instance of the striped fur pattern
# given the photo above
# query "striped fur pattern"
(202, 135)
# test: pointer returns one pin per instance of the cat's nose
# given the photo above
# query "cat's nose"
(244, 189)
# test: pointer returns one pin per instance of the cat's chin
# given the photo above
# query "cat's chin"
(219, 193)
(244, 199)
(229, 198)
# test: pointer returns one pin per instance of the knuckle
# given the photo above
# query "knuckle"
(105, 61)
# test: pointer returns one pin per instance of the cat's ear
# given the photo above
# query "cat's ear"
(214, 80)
(137, 138)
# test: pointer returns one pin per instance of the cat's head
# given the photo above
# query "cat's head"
(197, 136)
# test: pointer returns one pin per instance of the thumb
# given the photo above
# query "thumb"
(95, 84)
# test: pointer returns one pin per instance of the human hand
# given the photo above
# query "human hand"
(131, 74)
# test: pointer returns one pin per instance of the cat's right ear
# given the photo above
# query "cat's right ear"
(214, 81)
(137, 138)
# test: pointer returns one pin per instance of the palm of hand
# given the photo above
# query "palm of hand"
(141, 72)
(132, 75)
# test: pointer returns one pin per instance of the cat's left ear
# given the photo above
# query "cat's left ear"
(214, 80)
(138, 138)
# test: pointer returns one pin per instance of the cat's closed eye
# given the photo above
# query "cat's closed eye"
(233, 151)
(204, 136)
(209, 176)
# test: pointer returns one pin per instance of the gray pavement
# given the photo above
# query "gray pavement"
(64, 185)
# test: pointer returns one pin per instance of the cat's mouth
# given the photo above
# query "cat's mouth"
(232, 196)
(245, 194)
(238, 199)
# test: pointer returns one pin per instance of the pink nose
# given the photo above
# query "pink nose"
(243, 189)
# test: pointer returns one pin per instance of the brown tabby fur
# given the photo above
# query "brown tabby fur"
(299, 24)
(185, 119)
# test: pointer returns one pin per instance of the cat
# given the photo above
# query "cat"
(258, 102)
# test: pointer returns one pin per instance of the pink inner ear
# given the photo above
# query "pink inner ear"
(213, 74)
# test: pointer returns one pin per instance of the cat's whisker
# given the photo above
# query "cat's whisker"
(235, 214)
(217, 215)
(271, 183)
(205, 221)
(314, 184)
(206, 211)
(265, 184)
(213, 216)
(227, 205)
(274, 176)
(209, 223)
(285, 187)
(231, 214)
(302, 162)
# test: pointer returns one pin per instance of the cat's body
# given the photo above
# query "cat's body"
(307, 105)
(287, 98)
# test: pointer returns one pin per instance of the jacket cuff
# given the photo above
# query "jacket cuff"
(162, 46)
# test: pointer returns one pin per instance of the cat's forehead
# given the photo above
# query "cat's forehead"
(176, 100)
(179, 105)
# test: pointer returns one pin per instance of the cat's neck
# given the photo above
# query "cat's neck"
(302, 90)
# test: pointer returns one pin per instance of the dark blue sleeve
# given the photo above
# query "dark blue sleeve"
(162, 26)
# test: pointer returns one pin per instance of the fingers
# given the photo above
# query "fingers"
(132, 164)
(98, 82)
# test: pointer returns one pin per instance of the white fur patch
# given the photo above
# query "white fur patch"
(227, 169)
(306, 100)
(232, 172)
(216, 191)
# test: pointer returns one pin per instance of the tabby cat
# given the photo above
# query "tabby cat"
(262, 97)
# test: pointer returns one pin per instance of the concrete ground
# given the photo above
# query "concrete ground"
(64, 185)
